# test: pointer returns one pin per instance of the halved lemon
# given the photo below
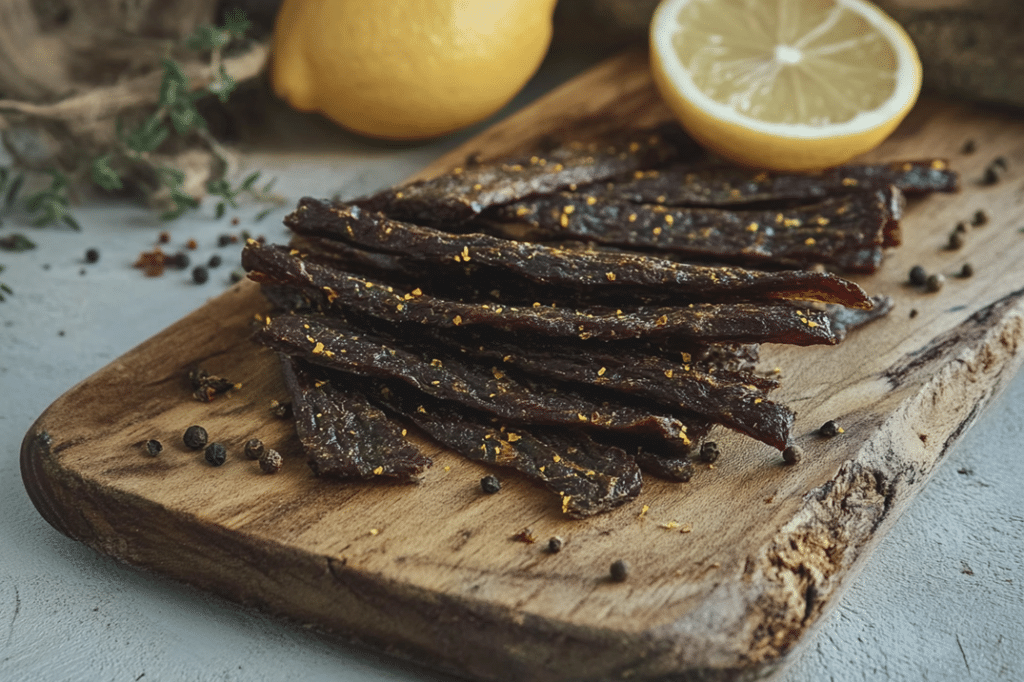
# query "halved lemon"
(784, 84)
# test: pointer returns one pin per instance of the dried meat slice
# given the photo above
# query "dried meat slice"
(588, 476)
(599, 273)
(459, 195)
(700, 322)
(343, 434)
(738, 400)
(699, 185)
(847, 231)
(333, 344)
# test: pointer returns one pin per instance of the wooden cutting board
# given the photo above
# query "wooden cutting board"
(727, 573)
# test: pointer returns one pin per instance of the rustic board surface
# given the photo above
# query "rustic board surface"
(728, 572)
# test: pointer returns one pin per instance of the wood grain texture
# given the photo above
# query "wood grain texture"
(432, 572)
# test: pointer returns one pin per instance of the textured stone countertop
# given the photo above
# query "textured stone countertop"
(942, 597)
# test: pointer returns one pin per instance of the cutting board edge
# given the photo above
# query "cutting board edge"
(739, 631)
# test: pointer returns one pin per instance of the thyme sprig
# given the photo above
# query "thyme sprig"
(132, 159)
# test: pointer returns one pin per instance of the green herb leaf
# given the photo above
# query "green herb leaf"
(174, 85)
(147, 137)
(262, 214)
(236, 23)
(104, 175)
(221, 208)
(70, 221)
(249, 181)
(223, 85)
(207, 37)
(185, 117)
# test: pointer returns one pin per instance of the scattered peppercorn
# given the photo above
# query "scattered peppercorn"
(829, 429)
(619, 570)
(980, 218)
(934, 283)
(226, 240)
(554, 544)
(957, 240)
(490, 484)
(214, 261)
(970, 146)
(913, 313)
(270, 461)
(235, 221)
(195, 437)
(216, 454)
(967, 270)
(991, 176)
(154, 447)
(200, 275)
(918, 276)
(792, 454)
(180, 260)
(999, 162)
(709, 452)
(960, 227)
(237, 276)
(254, 448)
(164, 237)
(92, 255)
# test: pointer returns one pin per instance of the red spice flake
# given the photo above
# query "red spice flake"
(191, 245)
(525, 535)
(153, 263)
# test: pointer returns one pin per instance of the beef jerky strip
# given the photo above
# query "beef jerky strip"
(459, 195)
(733, 399)
(589, 270)
(702, 322)
(693, 185)
(588, 476)
(844, 320)
(846, 231)
(344, 435)
(332, 344)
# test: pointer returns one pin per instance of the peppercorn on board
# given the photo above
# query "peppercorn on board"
(723, 576)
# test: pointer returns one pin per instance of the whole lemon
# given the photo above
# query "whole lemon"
(407, 70)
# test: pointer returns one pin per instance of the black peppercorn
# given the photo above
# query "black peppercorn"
(792, 454)
(154, 447)
(980, 218)
(967, 270)
(957, 240)
(214, 261)
(271, 461)
(554, 544)
(254, 448)
(991, 176)
(200, 275)
(226, 240)
(180, 260)
(829, 429)
(918, 276)
(913, 313)
(934, 283)
(195, 437)
(970, 146)
(619, 570)
(92, 255)
(216, 454)
(999, 162)
(490, 484)
(709, 452)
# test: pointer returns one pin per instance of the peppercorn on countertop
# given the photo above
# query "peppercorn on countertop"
(941, 598)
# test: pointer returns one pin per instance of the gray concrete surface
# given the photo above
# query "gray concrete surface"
(942, 598)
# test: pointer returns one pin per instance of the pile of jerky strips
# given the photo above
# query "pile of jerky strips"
(546, 314)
